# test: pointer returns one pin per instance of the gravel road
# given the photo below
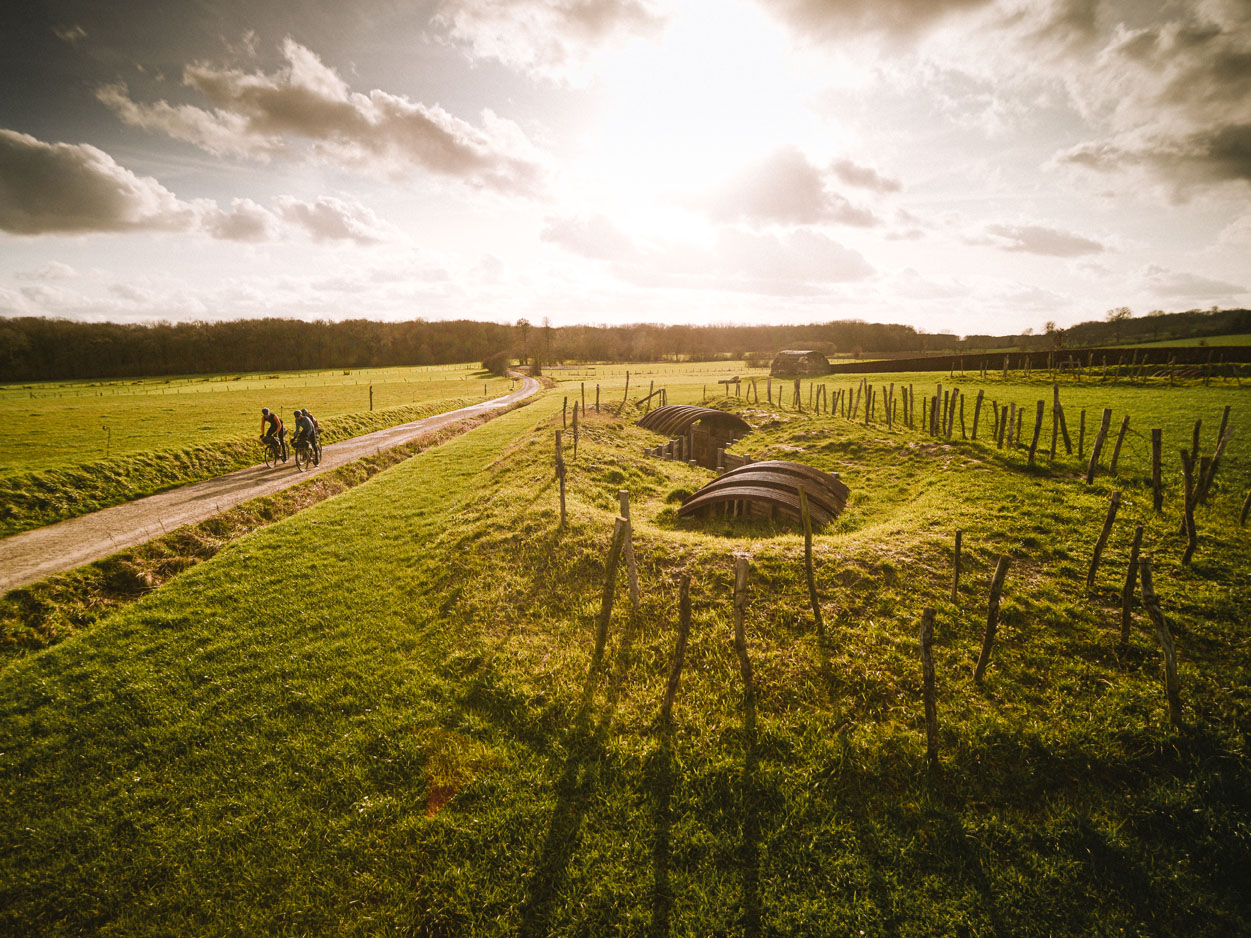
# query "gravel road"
(33, 555)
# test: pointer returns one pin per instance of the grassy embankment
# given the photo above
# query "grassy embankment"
(169, 432)
(378, 717)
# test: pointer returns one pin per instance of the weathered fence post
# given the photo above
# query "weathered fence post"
(1152, 605)
(992, 618)
(1131, 579)
(1113, 504)
(575, 429)
(927, 686)
(1206, 478)
(955, 571)
(564, 413)
(625, 397)
(1120, 438)
(812, 581)
(606, 595)
(1157, 487)
(560, 474)
(597, 398)
(679, 651)
(1188, 516)
(977, 411)
(1104, 424)
(632, 566)
(1038, 418)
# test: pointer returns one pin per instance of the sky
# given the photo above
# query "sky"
(962, 166)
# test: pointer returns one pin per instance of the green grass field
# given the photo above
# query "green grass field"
(1213, 340)
(382, 716)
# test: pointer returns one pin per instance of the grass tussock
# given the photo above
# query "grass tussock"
(386, 714)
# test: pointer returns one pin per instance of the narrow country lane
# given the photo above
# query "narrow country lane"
(33, 555)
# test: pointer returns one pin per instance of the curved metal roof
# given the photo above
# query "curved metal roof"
(776, 483)
(674, 419)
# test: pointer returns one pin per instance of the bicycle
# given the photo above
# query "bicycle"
(273, 451)
(306, 455)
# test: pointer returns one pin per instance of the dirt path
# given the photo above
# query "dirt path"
(33, 555)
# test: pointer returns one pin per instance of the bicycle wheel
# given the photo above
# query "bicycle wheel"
(271, 455)
(303, 458)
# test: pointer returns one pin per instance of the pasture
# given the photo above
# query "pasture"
(385, 714)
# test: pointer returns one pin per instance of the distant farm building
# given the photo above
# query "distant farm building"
(799, 363)
(769, 489)
(696, 433)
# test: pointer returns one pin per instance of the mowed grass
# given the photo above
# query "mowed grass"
(53, 462)
(382, 716)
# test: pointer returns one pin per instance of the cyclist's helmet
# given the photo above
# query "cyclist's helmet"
(304, 411)
(264, 411)
(297, 413)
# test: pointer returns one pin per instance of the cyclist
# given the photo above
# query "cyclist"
(316, 431)
(305, 433)
(271, 427)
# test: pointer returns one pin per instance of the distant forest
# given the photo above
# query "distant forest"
(36, 349)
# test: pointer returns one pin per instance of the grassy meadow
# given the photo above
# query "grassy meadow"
(383, 715)
(58, 460)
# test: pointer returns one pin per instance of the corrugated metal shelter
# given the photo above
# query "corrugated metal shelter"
(698, 432)
(770, 489)
(799, 363)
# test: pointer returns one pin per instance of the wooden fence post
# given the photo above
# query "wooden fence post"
(1188, 516)
(597, 398)
(1131, 580)
(1157, 487)
(632, 566)
(1120, 438)
(1206, 478)
(955, 572)
(625, 397)
(1104, 425)
(812, 582)
(1246, 506)
(977, 411)
(1055, 418)
(927, 678)
(575, 429)
(992, 618)
(679, 651)
(1038, 418)
(560, 474)
(1152, 605)
(606, 595)
(1102, 542)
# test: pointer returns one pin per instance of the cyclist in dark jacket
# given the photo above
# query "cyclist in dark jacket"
(316, 431)
(304, 431)
(271, 427)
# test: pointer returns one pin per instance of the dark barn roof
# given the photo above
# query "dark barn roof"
(675, 419)
(774, 485)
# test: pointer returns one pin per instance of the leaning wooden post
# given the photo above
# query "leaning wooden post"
(955, 572)
(679, 652)
(1206, 478)
(1246, 506)
(1055, 418)
(806, 517)
(1157, 487)
(1152, 605)
(1131, 580)
(651, 389)
(632, 567)
(977, 412)
(560, 475)
(1120, 438)
(992, 618)
(625, 397)
(1038, 419)
(1102, 435)
(606, 595)
(1102, 542)
(927, 678)
(564, 413)
(1188, 516)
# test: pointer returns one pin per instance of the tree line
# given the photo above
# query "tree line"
(39, 349)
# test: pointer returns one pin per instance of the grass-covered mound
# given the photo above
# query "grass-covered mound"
(380, 716)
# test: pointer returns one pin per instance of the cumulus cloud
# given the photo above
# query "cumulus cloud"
(260, 115)
(785, 188)
(52, 270)
(1035, 239)
(72, 188)
(61, 188)
(866, 177)
(71, 34)
(1178, 285)
(595, 237)
(553, 39)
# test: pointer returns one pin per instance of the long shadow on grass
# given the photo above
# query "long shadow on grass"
(661, 776)
(577, 781)
(749, 856)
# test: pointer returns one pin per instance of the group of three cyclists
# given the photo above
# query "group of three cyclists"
(307, 429)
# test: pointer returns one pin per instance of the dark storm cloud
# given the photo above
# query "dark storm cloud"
(262, 115)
